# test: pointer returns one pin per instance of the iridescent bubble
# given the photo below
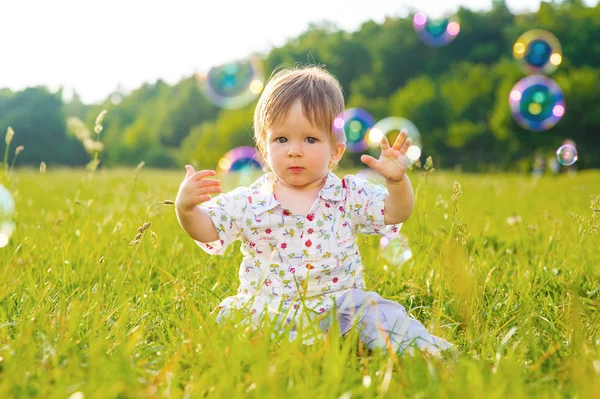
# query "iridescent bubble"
(537, 103)
(390, 127)
(242, 164)
(7, 213)
(394, 248)
(436, 32)
(240, 159)
(233, 85)
(370, 175)
(356, 123)
(566, 155)
(538, 51)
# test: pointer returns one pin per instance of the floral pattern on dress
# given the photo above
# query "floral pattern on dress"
(293, 263)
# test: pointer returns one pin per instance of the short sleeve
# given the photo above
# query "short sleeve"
(366, 205)
(225, 211)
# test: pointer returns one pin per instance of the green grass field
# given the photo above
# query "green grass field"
(509, 271)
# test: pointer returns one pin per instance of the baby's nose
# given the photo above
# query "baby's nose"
(295, 150)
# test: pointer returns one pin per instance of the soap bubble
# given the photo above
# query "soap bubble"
(566, 155)
(538, 51)
(394, 248)
(243, 163)
(390, 127)
(240, 159)
(7, 213)
(356, 123)
(436, 32)
(537, 103)
(233, 85)
(370, 175)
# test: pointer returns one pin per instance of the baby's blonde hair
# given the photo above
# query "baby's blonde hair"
(319, 93)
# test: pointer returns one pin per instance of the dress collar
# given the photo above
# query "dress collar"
(262, 198)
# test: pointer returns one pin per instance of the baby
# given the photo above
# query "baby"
(297, 223)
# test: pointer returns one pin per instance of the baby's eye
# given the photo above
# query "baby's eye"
(311, 140)
(281, 140)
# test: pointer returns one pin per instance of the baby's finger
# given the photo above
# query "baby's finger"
(400, 140)
(209, 183)
(406, 146)
(385, 144)
(369, 161)
(201, 174)
(204, 198)
(200, 191)
(209, 190)
(189, 170)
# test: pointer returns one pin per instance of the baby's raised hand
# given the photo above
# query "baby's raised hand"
(194, 189)
(392, 162)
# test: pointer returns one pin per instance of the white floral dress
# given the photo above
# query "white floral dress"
(296, 263)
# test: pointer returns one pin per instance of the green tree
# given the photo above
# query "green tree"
(39, 124)
(209, 141)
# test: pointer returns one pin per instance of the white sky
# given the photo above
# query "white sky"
(93, 46)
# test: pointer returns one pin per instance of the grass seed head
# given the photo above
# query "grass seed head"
(144, 227)
(9, 135)
(99, 119)
(429, 164)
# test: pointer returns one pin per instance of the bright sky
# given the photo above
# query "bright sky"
(94, 46)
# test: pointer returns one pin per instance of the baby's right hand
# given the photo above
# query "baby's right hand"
(194, 190)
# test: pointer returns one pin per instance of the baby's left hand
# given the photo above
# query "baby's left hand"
(392, 162)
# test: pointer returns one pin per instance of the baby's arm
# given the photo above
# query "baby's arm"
(198, 224)
(194, 190)
(399, 202)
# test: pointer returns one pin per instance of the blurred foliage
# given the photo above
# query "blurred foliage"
(456, 95)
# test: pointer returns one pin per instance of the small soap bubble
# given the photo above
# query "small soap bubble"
(537, 103)
(566, 155)
(7, 213)
(394, 248)
(242, 163)
(538, 51)
(233, 85)
(436, 32)
(356, 123)
(370, 175)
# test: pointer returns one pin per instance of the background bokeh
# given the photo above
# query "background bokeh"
(456, 94)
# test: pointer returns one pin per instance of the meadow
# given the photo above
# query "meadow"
(96, 303)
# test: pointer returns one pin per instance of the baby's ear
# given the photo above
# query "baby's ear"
(338, 152)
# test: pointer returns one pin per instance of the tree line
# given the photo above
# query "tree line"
(457, 95)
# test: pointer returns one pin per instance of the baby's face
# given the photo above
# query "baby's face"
(298, 152)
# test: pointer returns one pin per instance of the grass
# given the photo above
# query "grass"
(508, 271)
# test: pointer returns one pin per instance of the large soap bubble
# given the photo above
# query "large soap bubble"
(356, 123)
(537, 103)
(390, 127)
(436, 32)
(538, 51)
(233, 85)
